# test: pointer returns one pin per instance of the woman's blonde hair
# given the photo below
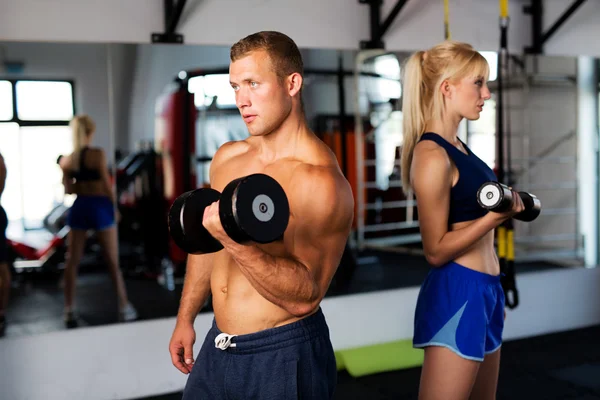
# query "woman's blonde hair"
(422, 99)
(82, 126)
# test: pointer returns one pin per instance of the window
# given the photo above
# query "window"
(482, 134)
(44, 101)
(492, 59)
(6, 101)
(10, 147)
(43, 190)
(30, 142)
(207, 87)
(381, 90)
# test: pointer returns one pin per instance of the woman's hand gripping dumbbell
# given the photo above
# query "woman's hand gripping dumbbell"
(497, 197)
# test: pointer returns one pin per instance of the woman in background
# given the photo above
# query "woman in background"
(459, 318)
(85, 174)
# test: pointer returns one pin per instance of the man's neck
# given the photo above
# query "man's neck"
(284, 141)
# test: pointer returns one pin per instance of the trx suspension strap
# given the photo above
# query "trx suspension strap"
(505, 232)
(447, 35)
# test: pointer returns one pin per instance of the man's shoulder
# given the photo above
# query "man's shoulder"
(230, 150)
(322, 180)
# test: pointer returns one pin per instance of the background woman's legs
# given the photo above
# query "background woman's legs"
(108, 241)
(75, 246)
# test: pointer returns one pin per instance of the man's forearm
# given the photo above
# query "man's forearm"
(196, 287)
(286, 283)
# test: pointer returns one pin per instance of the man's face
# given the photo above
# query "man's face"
(261, 96)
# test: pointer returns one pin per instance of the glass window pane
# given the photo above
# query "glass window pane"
(44, 101)
(11, 149)
(388, 66)
(492, 59)
(6, 101)
(482, 134)
(206, 87)
(42, 177)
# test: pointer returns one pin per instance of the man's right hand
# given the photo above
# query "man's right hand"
(181, 347)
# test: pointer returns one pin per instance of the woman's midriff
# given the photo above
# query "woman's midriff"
(481, 256)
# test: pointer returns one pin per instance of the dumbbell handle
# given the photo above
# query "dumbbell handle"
(501, 198)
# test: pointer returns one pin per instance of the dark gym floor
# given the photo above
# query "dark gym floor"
(552, 367)
(36, 302)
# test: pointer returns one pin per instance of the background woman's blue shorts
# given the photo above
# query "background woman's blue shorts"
(91, 213)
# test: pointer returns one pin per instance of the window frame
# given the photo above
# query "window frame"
(35, 123)
(21, 122)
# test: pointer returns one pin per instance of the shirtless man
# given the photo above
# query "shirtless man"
(269, 338)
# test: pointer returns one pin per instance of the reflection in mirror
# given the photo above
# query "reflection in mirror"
(162, 112)
(387, 225)
(42, 87)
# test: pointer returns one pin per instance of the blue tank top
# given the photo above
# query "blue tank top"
(473, 173)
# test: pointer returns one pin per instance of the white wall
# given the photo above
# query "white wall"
(338, 24)
(86, 64)
(128, 361)
(577, 35)
(122, 62)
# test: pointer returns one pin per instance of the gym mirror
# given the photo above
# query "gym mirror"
(161, 112)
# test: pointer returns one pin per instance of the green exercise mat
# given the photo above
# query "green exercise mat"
(379, 358)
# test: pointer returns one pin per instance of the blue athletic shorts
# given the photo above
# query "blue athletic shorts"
(460, 309)
(91, 213)
(3, 243)
(294, 361)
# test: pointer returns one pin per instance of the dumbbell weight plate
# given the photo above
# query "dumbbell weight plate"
(492, 195)
(532, 205)
(254, 208)
(185, 222)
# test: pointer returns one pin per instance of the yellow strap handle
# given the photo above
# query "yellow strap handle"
(447, 35)
(503, 8)
(510, 245)
(501, 242)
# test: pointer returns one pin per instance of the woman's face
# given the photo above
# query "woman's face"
(467, 96)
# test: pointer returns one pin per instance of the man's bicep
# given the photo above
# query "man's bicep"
(320, 250)
(323, 227)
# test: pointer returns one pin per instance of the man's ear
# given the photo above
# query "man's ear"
(295, 82)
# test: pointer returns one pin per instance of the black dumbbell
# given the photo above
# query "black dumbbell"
(497, 197)
(252, 208)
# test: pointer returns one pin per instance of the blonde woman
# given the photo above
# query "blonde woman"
(85, 174)
(459, 316)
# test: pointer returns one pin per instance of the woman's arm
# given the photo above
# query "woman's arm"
(431, 177)
(67, 181)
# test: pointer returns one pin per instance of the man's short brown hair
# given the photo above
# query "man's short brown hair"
(285, 55)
